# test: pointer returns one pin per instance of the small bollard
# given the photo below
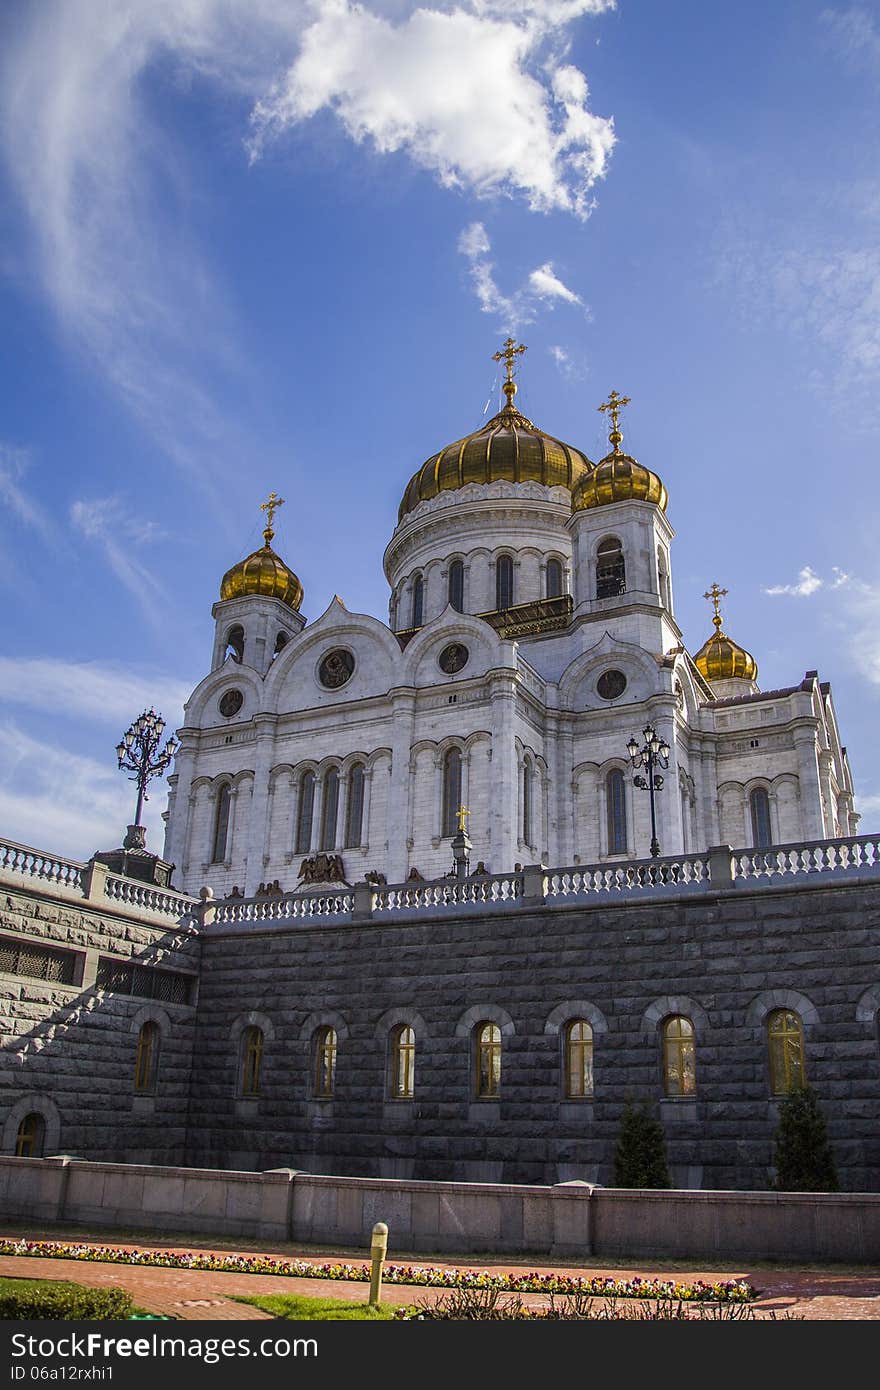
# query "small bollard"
(378, 1251)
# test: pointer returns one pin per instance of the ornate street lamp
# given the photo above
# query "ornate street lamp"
(138, 752)
(655, 753)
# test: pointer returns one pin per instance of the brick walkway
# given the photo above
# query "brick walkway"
(812, 1293)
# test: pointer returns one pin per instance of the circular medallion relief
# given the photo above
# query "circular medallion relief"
(611, 685)
(336, 668)
(231, 702)
(453, 658)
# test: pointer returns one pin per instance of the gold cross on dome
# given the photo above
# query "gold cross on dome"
(613, 406)
(715, 595)
(507, 354)
(462, 813)
(270, 507)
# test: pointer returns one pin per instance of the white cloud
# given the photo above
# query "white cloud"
(105, 521)
(542, 287)
(66, 804)
(807, 583)
(463, 91)
(14, 463)
(88, 690)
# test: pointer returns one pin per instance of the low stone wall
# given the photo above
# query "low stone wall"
(567, 1221)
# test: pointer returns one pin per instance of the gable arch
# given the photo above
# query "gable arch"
(868, 1006)
(674, 1004)
(770, 999)
(484, 1013)
(572, 1009)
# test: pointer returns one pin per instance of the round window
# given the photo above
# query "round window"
(453, 658)
(336, 668)
(231, 702)
(611, 685)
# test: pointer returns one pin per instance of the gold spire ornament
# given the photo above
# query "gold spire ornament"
(507, 355)
(270, 507)
(462, 813)
(613, 407)
(714, 595)
(720, 658)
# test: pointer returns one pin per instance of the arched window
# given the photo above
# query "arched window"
(578, 1060)
(403, 1060)
(663, 576)
(329, 807)
(554, 579)
(221, 824)
(281, 642)
(615, 810)
(418, 602)
(527, 774)
(456, 585)
(305, 812)
(146, 1062)
(759, 804)
(679, 1070)
(251, 1061)
(785, 1039)
(610, 569)
(235, 644)
(488, 1061)
(325, 1062)
(451, 791)
(504, 582)
(31, 1137)
(354, 810)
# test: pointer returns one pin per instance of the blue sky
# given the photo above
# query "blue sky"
(271, 245)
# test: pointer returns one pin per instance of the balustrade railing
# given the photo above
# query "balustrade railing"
(147, 897)
(850, 854)
(296, 907)
(33, 863)
(676, 873)
(451, 892)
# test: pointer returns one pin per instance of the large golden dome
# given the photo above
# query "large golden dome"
(507, 447)
(618, 477)
(720, 658)
(263, 572)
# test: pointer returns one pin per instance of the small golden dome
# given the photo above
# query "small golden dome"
(264, 573)
(618, 477)
(720, 658)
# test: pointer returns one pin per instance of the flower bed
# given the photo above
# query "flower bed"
(729, 1291)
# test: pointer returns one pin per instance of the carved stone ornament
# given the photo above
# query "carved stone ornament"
(231, 702)
(611, 685)
(336, 668)
(322, 868)
(453, 658)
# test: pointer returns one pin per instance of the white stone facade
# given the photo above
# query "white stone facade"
(538, 743)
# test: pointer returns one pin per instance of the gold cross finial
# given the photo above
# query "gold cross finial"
(613, 407)
(506, 355)
(714, 595)
(270, 507)
(462, 813)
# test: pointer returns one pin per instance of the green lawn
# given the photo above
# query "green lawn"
(298, 1307)
(31, 1285)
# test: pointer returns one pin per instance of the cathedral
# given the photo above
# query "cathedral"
(531, 638)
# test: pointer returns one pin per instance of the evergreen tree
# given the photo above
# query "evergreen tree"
(804, 1158)
(640, 1156)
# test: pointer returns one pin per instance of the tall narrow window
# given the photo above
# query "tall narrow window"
(325, 1062)
(615, 798)
(785, 1038)
(235, 644)
(354, 809)
(554, 579)
(451, 791)
(503, 582)
(403, 1059)
(759, 803)
(578, 1060)
(251, 1061)
(527, 774)
(663, 577)
(418, 602)
(610, 569)
(456, 585)
(488, 1059)
(146, 1060)
(221, 824)
(329, 808)
(31, 1137)
(305, 813)
(679, 1072)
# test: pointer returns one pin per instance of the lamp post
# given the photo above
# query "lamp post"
(654, 753)
(138, 752)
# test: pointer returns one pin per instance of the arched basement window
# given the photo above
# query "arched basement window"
(146, 1061)
(251, 1061)
(325, 1062)
(785, 1040)
(403, 1057)
(578, 1060)
(679, 1071)
(30, 1140)
(488, 1061)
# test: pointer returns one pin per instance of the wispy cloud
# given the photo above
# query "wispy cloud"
(808, 582)
(542, 288)
(102, 694)
(14, 463)
(569, 367)
(105, 521)
(854, 34)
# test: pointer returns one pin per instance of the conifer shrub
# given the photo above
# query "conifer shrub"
(62, 1301)
(803, 1154)
(640, 1156)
